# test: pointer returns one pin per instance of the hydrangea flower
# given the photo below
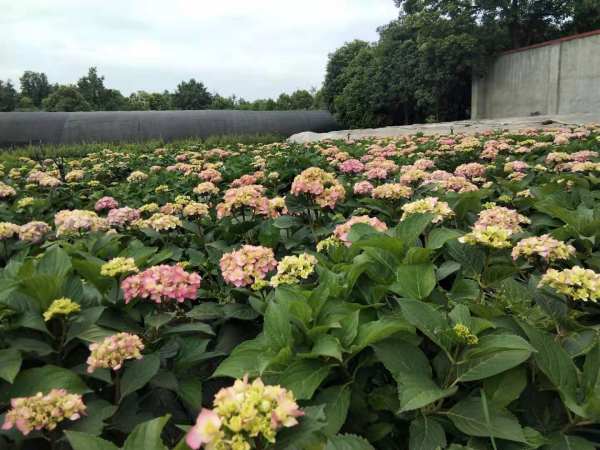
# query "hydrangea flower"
(8, 230)
(363, 188)
(576, 283)
(247, 265)
(137, 176)
(206, 188)
(118, 266)
(391, 191)
(120, 217)
(34, 231)
(106, 203)
(113, 351)
(490, 236)
(161, 283)
(6, 191)
(243, 415)
(322, 186)
(341, 231)
(61, 307)
(545, 246)
(250, 196)
(43, 411)
(428, 205)
(160, 222)
(292, 269)
(77, 220)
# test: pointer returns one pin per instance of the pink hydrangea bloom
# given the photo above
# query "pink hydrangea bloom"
(121, 217)
(106, 203)
(341, 231)
(160, 283)
(113, 351)
(363, 188)
(245, 266)
(351, 166)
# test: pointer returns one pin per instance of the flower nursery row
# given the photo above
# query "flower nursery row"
(421, 293)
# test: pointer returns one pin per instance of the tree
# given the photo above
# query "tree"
(25, 104)
(35, 86)
(92, 89)
(113, 100)
(337, 63)
(8, 96)
(191, 95)
(220, 102)
(66, 98)
(301, 99)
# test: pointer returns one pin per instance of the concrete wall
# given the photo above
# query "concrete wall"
(557, 77)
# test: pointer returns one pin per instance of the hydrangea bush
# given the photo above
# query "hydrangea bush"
(420, 293)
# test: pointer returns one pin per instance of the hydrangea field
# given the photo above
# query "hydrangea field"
(422, 293)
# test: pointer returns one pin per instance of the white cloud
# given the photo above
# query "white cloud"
(253, 48)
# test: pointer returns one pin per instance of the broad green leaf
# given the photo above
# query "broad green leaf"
(138, 373)
(426, 434)
(97, 411)
(303, 377)
(469, 417)
(190, 391)
(277, 327)
(556, 364)
(147, 435)
(348, 442)
(414, 280)
(43, 379)
(504, 388)
(307, 434)
(427, 319)
(439, 236)
(378, 330)
(10, 363)
(84, 441)
(491, 364)
(250, 357)
(55, 262)
(336, 400)
(410, 368)
(411, 228)
(195, 328)
(329, 346)
(565, 442)
(469, 257)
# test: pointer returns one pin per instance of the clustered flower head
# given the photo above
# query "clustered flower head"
(161, 283)
(206, 188)
(137, 176)
(78, 220)
(322, 186)
(74, 175)
(329, 243)
(61, 307)
(363, 188)
(428, 205)
(247, 265)
(160, 222)
(391, 191)
(250, 196)
(34, 231)
(545, 246)
(490, 236)
(106, 203)
(501, 217)
(576, 283)
(8, 230)
(195, 209)
(120, 217)
(6, 191)
(113, 351)
(43, 411)
(118, 266)
(292, 269)
(341, 231)
(463, 334)
(25, 202)
(244, 414)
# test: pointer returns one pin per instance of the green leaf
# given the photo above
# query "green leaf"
(43, 379)
(411, 228)
(327, 345)
(348, 442)
(196, 327)
(469, 417)
(427, 319)
(426, 434)
(55, 262)
(566, 442)
(147, 435)
(10, 363)
(303, 377)
(414, 280)
(371, 332)
(250, 357)
(305, 435)
(337, 401)
(190, 391)
(439, 236)
(84, 441)
(138, 373)
(410, 368)
(506, 387)
(493, 356)
(277, 327)
(97, 411)
(556, 364)
(471, 258)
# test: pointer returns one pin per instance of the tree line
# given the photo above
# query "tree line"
(90, 94)
(420, 69)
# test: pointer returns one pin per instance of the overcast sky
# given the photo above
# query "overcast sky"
(252, 48)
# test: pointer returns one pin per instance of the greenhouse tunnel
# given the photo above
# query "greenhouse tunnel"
(24, 128)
